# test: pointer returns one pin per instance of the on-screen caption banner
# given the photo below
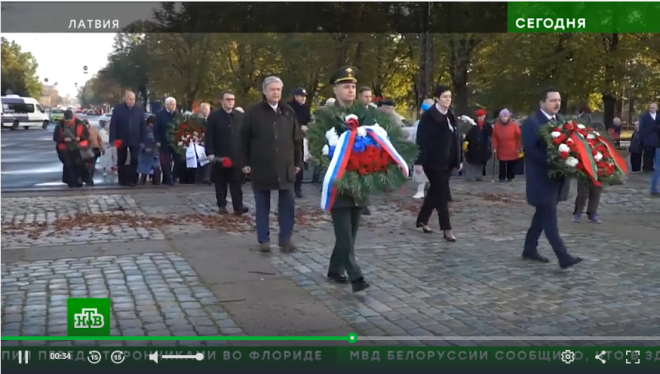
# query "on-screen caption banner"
(576, 16)
(252, 17)
(341, 358)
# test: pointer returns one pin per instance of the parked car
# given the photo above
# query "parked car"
(56, 115)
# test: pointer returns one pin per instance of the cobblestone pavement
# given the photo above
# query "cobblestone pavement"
(422, 285)
(154, 294)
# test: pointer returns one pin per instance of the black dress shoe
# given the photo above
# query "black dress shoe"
(366, 211)
(425, 228)
(222, 210)
(359, 285)
(451, 239)
(241, 211)
(535, 257)
(299, 194)
(340, 279)
(572, 261)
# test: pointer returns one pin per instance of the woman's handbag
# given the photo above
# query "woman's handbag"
(86, 154)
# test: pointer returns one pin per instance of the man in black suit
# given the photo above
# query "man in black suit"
(543, 192)
(648, 123)
(304, 117)
(221, 142)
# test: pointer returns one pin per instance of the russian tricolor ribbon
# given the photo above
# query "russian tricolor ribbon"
(342, 154)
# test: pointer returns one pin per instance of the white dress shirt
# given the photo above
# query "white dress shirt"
(273, 106)
(653, 115)
(549, 116)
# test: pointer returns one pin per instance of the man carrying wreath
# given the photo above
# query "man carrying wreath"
(361, 153)
(543, 191)
(346, 210)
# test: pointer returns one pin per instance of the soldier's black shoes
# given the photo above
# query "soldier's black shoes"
(338, 278)
(535, 257)
(222, 210)
(241, 211)
(359, 285)
(571, 261)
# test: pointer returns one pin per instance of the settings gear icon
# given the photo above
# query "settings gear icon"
(567, 356)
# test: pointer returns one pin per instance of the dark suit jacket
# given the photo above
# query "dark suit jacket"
(648, 129)
(163, 121)
(222, 132)
(541, 189)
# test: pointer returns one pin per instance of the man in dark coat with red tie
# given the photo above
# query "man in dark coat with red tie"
(544, 192)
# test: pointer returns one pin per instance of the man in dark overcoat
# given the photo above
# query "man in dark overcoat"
(304, 117)
(164, 120)
(544, 192)
(271, 152)
(128, 131)
(221, 142)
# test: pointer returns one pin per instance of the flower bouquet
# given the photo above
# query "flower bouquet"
(185, 132)
(576, 150)
(360, 155)
(186, 135)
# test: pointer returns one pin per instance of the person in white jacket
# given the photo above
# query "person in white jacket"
(420, 178)
(108, 159)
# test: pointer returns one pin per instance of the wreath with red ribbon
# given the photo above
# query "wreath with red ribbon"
(577, 150)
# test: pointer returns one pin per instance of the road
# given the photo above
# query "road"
(28, 159)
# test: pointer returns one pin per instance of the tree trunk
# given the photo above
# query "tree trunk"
(460, 48)
(611, 44)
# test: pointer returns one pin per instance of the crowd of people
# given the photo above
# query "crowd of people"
(266, 143)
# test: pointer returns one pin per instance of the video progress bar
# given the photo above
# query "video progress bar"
(513, 338)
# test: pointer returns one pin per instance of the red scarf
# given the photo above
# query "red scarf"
(70, 122)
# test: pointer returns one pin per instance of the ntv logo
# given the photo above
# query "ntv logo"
(88, 318)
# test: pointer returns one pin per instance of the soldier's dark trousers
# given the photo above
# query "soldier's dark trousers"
(346, 222)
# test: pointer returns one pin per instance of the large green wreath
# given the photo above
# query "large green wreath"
(352, 183)
(186, 129)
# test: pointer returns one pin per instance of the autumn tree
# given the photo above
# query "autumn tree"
(19, 71)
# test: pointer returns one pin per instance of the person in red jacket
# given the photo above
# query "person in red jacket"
(507, 145)
(72, 138)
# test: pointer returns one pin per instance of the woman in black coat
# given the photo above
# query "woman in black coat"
(439, 141)
(479, 149)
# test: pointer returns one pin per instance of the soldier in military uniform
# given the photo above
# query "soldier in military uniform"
(346, 211)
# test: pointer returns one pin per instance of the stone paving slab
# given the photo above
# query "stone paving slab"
(153, 294)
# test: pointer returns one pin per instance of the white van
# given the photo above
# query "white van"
(23, 112)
